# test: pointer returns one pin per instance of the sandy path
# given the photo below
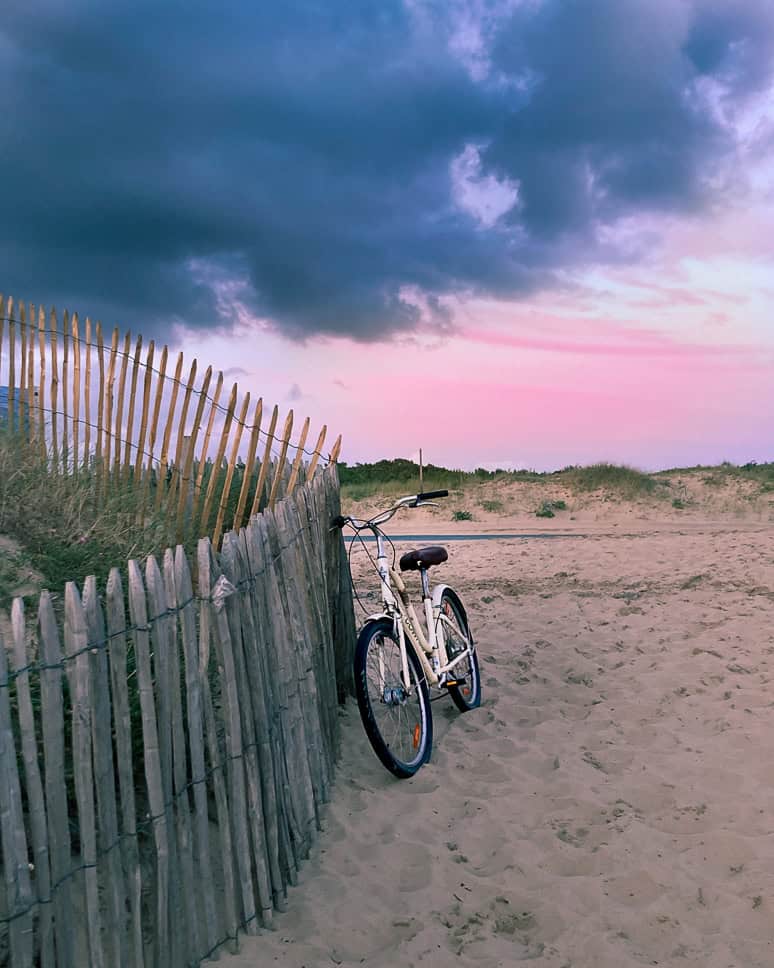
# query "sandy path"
(611, 803)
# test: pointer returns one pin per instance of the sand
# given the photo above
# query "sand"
(612, 801)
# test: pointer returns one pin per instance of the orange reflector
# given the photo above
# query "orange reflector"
(465, 691)
(416, 736)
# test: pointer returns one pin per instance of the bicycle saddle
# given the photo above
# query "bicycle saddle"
(423, 558)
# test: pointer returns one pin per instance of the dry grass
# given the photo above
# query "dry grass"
(62, 527)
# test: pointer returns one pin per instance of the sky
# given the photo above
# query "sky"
(514, 233)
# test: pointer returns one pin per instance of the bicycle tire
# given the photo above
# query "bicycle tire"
(467, 696)
(414, 726)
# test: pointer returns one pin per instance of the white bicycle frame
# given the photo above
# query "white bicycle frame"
(430, 648)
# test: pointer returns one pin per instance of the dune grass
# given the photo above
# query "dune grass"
(65, 526)
(388, 478)
(626, 481)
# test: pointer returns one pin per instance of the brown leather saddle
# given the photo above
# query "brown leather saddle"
(423, 558)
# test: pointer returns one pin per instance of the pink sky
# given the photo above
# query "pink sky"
(668, 362)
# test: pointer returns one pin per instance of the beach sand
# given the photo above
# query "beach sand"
(612, 801)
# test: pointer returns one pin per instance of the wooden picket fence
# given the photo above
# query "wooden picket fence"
(161, 779)
(176, 441)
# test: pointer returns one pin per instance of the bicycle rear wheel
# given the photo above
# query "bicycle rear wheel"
(397, 720)
(466, 695)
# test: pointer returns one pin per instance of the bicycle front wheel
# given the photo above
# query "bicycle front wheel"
(396, 719)
(466, 695)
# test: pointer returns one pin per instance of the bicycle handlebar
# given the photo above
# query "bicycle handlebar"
(412, 501)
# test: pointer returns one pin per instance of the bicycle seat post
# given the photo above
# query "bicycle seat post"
(425, 583)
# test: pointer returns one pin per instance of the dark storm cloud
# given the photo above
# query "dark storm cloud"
(159, 161)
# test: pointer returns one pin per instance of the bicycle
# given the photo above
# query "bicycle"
(397, 663)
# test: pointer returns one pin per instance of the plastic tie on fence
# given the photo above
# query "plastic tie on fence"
(220, 592)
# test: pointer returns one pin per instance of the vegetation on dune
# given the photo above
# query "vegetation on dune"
(362, 481)
(612, 477)
(390, 478)
(69, 526)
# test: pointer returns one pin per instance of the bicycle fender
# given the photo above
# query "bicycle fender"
(376, 617)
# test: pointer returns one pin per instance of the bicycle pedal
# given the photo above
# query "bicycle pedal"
(455, 682)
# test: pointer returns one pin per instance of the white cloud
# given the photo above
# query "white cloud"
(483, 196)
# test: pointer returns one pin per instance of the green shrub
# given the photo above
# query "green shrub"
(547, 508)
(462, 516)
(678, 503)
(492, 505)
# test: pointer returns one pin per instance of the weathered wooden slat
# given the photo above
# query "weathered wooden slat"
(160, 623)
(299, 609)
(265, 462)
(181, 430)
(299, 456)
(76, 388)
(249, 466)
(116, 624)
(144, 414)
(34, 786)
(294, 732)
(11, 365)
(206, 634)
(187, 474)
(202, 886)
(52, 720)
(239, 620)
(107, 406)
(191, 945)
(87, 395)
(259, 660)
(305, 580)
(66, 334)
(23, 369)
(32, 412)
(240, 424)
(316, 453)
(104, 779)
(2, 328)
(316, 540)
(100, 409)
(138, 610)
(156, 410)
(77, 665)
(127, 461)
(118, 434)
(54, 344)
(345, 636)
(312, 507)
(336, 451)
(19, 898)
(219, 592)
(203, 523)
(197, 496)
(275, 487)
(42, 380)
(161, 489)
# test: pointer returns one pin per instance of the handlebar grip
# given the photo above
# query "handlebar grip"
(339, 521)
(429, 495)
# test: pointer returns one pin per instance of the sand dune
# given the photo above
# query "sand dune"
(610, 804)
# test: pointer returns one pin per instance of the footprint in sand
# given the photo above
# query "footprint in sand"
(466, 927)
